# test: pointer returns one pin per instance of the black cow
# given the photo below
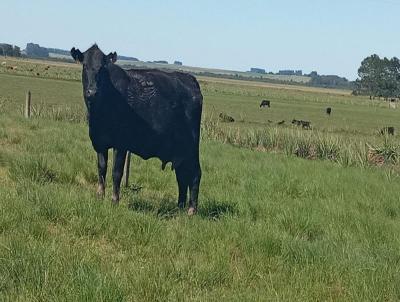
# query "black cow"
(265, 103)
(303, 124)
(149, 112)
(296, 122)
(328, 111)
(226, 118)
(306, 125)
(281, 122)
(387, 131)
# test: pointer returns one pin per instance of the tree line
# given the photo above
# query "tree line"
(329, 81)
(379, 77)
(9, 50)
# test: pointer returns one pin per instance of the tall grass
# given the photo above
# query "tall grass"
(308, 144)
(69, 113)
(305, 144)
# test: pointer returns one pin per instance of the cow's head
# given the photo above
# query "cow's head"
(94, 72)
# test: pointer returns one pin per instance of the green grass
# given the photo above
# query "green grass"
(270, 226)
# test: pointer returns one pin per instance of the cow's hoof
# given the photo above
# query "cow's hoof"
(100, 193)
(115, 201)
(191, 211)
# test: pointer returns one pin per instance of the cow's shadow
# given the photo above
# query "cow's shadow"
(168, 208)
(214, 210)
(165, 209)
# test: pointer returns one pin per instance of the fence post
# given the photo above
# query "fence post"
(28, 104)
(126, 168)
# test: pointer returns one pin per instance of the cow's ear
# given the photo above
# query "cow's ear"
(76, 55)
(112, 56)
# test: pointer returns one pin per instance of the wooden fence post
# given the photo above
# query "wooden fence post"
(126, 168)
(28, 105)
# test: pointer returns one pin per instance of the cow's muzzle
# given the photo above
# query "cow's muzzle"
(90, 93)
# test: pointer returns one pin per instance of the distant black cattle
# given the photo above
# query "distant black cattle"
(149, 112)
(226, 118)
(392, 103)
(296, 122)
(306, 124)
(281, 122)
(303, 124)
(265, 103)
(328, 111)
(387, 131)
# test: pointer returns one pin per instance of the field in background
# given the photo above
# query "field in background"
(270, 226)
(197, 70)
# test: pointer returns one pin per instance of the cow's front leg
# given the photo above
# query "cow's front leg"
(118, 171)
(102, 158)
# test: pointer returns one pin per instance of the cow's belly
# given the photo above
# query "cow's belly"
(151, 146)
(101, 139)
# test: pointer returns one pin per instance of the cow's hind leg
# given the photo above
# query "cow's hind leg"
(194, 185)
(102, 158)
(118, 171)
(182, 178)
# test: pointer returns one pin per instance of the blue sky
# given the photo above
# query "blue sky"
(331, 37)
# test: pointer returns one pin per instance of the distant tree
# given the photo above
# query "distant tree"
(379, 77)
(6, 49)
(35, 50)
(369, 75)
(16, 51)
(394, 77)
(329, 81)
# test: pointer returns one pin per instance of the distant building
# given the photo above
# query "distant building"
(257, 70)
(178, 63)
(290, 72)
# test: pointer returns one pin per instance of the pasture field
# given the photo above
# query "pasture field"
(271, 226)
(25, 65)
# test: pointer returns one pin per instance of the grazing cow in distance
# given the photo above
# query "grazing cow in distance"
(306, 125)
(226, 118)
(265, 103)
(150, 112)
(328, 111)
(281, 122)
(296, 122)
(387, 131)
(303, 124)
